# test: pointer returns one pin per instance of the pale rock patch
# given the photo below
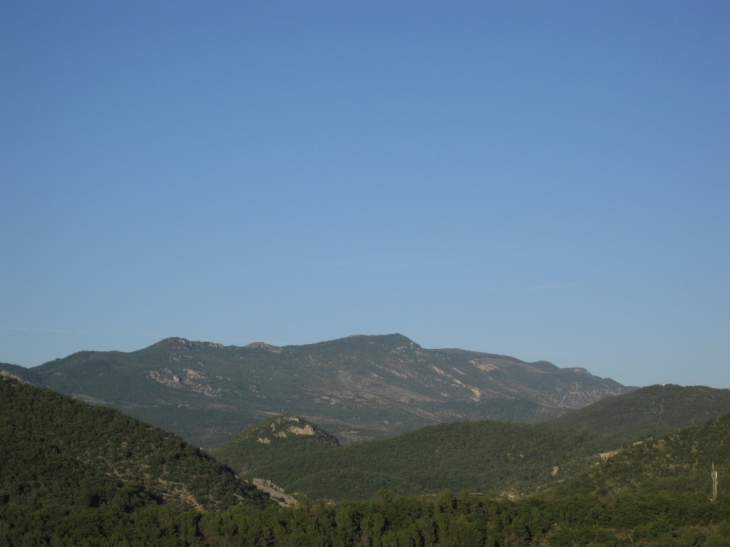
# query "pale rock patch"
(277, 494)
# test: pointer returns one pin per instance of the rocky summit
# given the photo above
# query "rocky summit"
(272, 440)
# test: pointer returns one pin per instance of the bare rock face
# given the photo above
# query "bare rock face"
(275, 493)
(7, 374)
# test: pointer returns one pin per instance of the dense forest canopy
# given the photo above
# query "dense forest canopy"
(59, 451)
(74, 474)
(488, 457)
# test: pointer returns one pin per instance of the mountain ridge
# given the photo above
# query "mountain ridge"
(650, 411)
(359, 387)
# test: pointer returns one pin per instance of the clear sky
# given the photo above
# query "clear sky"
(548, 180)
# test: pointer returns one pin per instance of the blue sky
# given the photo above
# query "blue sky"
(543, 180)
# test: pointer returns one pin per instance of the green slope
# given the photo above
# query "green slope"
(67, 477)
(677, 462)
(649, 411)
(57, 451)
(277, 438)
(358, 388)
(490, 457)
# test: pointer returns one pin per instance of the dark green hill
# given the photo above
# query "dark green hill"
(275, 439)
(358, 388)
(679, 462)
(57, 451)
(650, 411)
(490, 457)
(20, 373)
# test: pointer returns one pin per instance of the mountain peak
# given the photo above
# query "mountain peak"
(286, 426)
(175, 342)
(264, 346)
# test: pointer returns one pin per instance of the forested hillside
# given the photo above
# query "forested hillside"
(59, 452)
(499, 458)
(73, 474)
(272, 440)
(679, 462)
(358, 388)
(650, 411)
(446, 520)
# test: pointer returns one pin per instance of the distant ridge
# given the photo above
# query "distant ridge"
(358, 387)
(19, 373)
(650, 411)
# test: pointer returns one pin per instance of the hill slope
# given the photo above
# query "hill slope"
(358, 388)
(274, 439)
(57, 451)
(21, 374)
(649, 411)
(486, 456)
(679, 462)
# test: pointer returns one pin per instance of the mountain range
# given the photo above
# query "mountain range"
(357, 388)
